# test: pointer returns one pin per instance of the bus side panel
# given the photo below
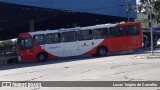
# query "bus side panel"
(119, 44)
(40, 49)
(92, 51)
(27, 55)
(114, 44)
(134, 42)
(31, 54)
(89, 47)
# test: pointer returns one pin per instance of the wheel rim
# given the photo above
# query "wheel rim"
(41, 57)
(102, 52)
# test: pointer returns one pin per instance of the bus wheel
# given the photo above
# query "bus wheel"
(42, 57)
(102, 51)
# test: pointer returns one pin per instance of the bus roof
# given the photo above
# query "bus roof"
(77, 28)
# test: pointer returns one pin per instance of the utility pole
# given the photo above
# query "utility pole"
(150, 25)
(150, 12)
(151, 30)
(127, 9)
(31, 25)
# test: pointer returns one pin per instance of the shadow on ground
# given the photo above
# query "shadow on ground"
(14, 65)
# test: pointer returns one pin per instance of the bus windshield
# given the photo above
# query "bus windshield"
(25, 43)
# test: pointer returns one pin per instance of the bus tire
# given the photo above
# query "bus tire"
(42, 57)
(102, 51)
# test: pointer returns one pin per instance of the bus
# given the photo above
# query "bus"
(97, 40)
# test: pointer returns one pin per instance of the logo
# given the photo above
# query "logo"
(134, 40)
(21, 84)
(85, 44)
(6, 84)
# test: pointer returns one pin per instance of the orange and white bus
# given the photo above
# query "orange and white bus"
(96, 40)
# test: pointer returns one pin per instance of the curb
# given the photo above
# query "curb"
(146, 57)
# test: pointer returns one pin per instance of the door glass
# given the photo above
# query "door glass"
(26, 43)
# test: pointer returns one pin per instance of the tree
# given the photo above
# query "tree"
(157, 10)
(152, 4)
(7, 46)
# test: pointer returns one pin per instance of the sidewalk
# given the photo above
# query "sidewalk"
(148, 55)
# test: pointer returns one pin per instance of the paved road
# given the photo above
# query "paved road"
(111, 68)
(5, 59)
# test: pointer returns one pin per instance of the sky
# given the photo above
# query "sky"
(137, 1)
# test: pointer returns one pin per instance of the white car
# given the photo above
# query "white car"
(158, 43)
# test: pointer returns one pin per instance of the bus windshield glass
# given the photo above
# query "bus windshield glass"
(25, 43)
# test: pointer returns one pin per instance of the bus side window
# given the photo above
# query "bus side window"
(39, 39)
(90, 32)
(100, 33)
(85, 35)
(136, 30)
(26, 43)
(132, 30)
(53, 38)
(69, 36)
(121, 31)
(22, 43)
(59, 35)
(127, 31)
(112, 32)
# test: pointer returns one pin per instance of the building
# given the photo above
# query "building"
(31, 15)
(144, 19)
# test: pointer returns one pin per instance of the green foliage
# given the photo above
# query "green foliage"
(157, 10)
(146, 2)
(155, 6)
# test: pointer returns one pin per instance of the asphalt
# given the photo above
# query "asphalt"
(114, 67)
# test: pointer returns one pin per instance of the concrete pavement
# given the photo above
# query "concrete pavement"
(122, 67)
